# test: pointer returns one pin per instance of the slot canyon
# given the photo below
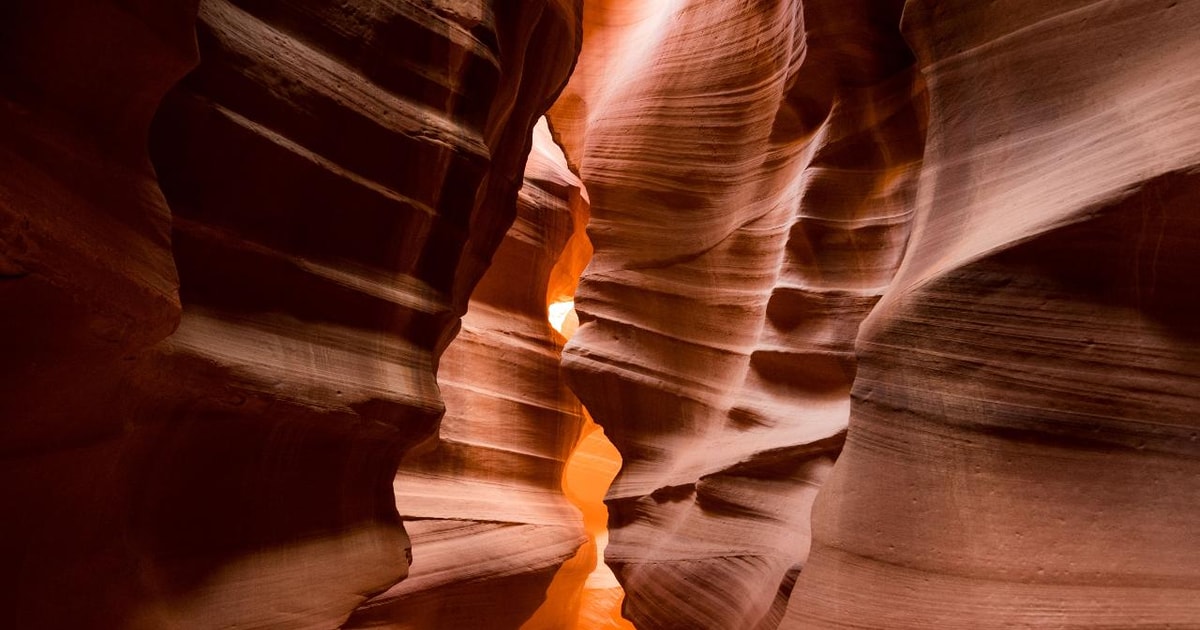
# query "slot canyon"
(599, 314)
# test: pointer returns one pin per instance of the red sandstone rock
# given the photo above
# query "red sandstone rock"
(490, 522)
(87, 282)
(203, 398)
(751, 168)
(338, 176)
(1023, 441)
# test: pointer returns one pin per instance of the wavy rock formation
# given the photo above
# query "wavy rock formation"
(952, 245)
(751, 168)
(339, 176)
(87, 281)
(1023, 447)
(489, 521)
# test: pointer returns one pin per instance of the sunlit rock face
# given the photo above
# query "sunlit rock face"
(485, 507)
(751, 168)
(1023, 445)
(338, 177)
(952, 245)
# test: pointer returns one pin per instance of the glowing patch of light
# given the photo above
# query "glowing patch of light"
(557, 313)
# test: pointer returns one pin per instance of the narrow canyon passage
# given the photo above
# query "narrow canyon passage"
(484, 503)
(518, 463)
(599, 314)
(594, 604)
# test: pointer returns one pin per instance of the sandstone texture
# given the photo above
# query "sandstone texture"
(87, 283)
(751, 168)
(1021, 401)
(206, 397)
(891, 312)
(489, 520)
(1023, 446)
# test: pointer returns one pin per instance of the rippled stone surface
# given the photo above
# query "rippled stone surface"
(485, 506)
(338, 177)
(1021, 438)
(950, 245)
(87, 282)
(1023, 441)
(751, 169)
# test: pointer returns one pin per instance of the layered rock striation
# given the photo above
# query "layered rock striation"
(338, 178)
(1021, 443)
(951, 245)
(1023, 446)
(485, 507)
(751, 168)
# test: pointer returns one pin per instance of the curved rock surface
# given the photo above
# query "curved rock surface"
(751, 168)
(87, 281)
(1023, 446)
(338, 176)
(1023, 435)
(952, 245)
(489, 521)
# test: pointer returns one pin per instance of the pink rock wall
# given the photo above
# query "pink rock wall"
(949, 244)
(1023, 441)
(1021, 434)
(751, 169)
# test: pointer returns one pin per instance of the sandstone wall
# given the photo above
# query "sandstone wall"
(485, 507)
(1023, 443)
(87, 283)
(751, 168)
(950, 244)
(338, 177)
(1021, 438)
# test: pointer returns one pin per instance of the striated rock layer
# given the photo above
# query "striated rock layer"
(489, 520)
(751, 168)
(1023, 446)
(206, 389)
(87, 281)
(338, 176)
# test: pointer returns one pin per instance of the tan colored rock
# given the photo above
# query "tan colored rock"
(751, 169)
(951, 245)
(1023, 443)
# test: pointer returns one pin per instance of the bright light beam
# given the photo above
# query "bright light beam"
(558, 312)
